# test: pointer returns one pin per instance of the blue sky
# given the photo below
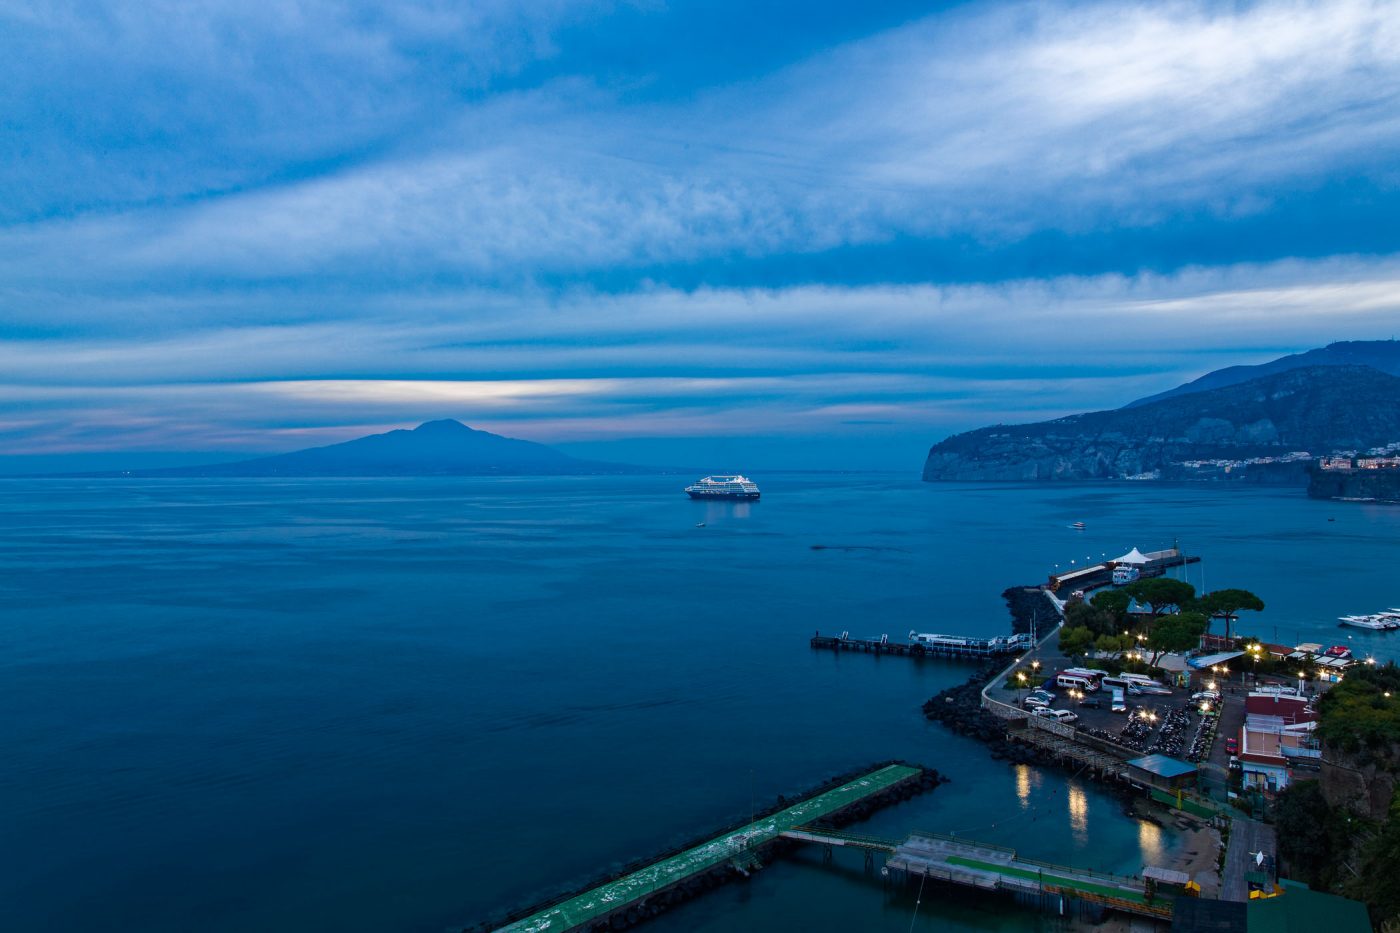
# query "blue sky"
(742, 233)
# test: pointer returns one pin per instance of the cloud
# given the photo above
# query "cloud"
(992, 123)
(926, 360)
(314, 218)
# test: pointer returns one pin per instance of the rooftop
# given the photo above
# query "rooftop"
(1163, 766)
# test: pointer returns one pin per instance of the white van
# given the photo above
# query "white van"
(1119, 704)
(1076, 682)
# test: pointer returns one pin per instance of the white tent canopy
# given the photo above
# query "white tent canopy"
(1132, 557)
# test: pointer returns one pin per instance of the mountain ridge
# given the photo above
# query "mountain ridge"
(1382, 355)
(444, 447)
(1211, 433)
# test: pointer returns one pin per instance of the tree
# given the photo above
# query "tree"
(1175, 633)
(1160, 594)
(1075, 642)
(1112, 644)
(1093, 618)
(1228, 603)
(1113, 601)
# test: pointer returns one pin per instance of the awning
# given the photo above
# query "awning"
(1211, 660)
(1132, 557)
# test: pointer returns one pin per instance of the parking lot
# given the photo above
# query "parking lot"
(1166, 724)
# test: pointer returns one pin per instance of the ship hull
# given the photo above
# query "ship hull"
(722, 495)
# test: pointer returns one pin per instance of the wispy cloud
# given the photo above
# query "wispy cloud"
(375, 215)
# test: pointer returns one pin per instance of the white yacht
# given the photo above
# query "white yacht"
(1375, 623)
(723, 487)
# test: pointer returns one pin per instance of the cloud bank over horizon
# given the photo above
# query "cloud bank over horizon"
(248, 229)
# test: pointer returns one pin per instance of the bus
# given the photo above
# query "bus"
(1072, 681)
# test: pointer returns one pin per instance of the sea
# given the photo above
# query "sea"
(413, 704)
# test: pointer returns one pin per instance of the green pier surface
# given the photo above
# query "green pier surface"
(605, 898)
(1051, 878)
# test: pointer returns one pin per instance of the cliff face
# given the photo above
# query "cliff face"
(1381, 485)
(1365, 788)
(1314, 409)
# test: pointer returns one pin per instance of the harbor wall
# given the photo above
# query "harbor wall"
(661, 899)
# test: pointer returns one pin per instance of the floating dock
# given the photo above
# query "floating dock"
(972, 649)
(648, 890)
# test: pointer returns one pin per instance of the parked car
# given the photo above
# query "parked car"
(1037, 703)
(1232, 746)
(1091, 703)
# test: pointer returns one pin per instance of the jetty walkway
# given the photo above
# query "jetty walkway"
(954, 646)
(737, 849)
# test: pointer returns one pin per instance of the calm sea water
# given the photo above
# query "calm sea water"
(371, 705)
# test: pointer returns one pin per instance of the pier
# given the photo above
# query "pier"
(648, 890)
(993, 868)
(966, 648)
(1094, 576)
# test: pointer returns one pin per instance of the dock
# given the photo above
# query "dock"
(646, 891)
(1094, 576)
(951, 860)
(957, 647)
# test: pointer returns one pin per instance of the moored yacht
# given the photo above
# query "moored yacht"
(1375, 623)
(723, 487)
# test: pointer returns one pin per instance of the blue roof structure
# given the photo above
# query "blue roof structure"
(1211, 660)
(1162, 766)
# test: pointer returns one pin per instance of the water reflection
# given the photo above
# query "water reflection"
(1027, 780)
(1150, 841)
(716, 511)
(1078, 813)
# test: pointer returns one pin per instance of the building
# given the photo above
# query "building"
(1294, 909)
(1271, 749)
(1162, 772)
(1289, 707)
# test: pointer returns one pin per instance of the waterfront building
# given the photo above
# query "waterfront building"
(1162, 772)
(1272, 749)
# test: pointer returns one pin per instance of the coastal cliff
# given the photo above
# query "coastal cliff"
(1279, 421)
(1369, 485)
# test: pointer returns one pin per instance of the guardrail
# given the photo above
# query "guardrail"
(1005, 710)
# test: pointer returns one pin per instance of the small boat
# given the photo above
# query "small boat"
(1078, 526)
(699, 524)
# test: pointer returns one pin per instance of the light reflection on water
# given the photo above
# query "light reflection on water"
(1078, 812)
(1028, 781)
(1150, 839)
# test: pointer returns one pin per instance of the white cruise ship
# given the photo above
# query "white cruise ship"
(723, 487)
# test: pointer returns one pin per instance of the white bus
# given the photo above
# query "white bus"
(1071, 681)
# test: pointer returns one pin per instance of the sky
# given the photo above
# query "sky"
(740, 235)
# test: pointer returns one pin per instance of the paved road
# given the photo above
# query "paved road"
(1246, 837)
(1216, 768)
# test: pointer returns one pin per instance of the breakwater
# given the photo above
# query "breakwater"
(646, 888)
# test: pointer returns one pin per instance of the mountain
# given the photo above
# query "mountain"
(1383, 355)
(434, 448)
(1316, 409)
